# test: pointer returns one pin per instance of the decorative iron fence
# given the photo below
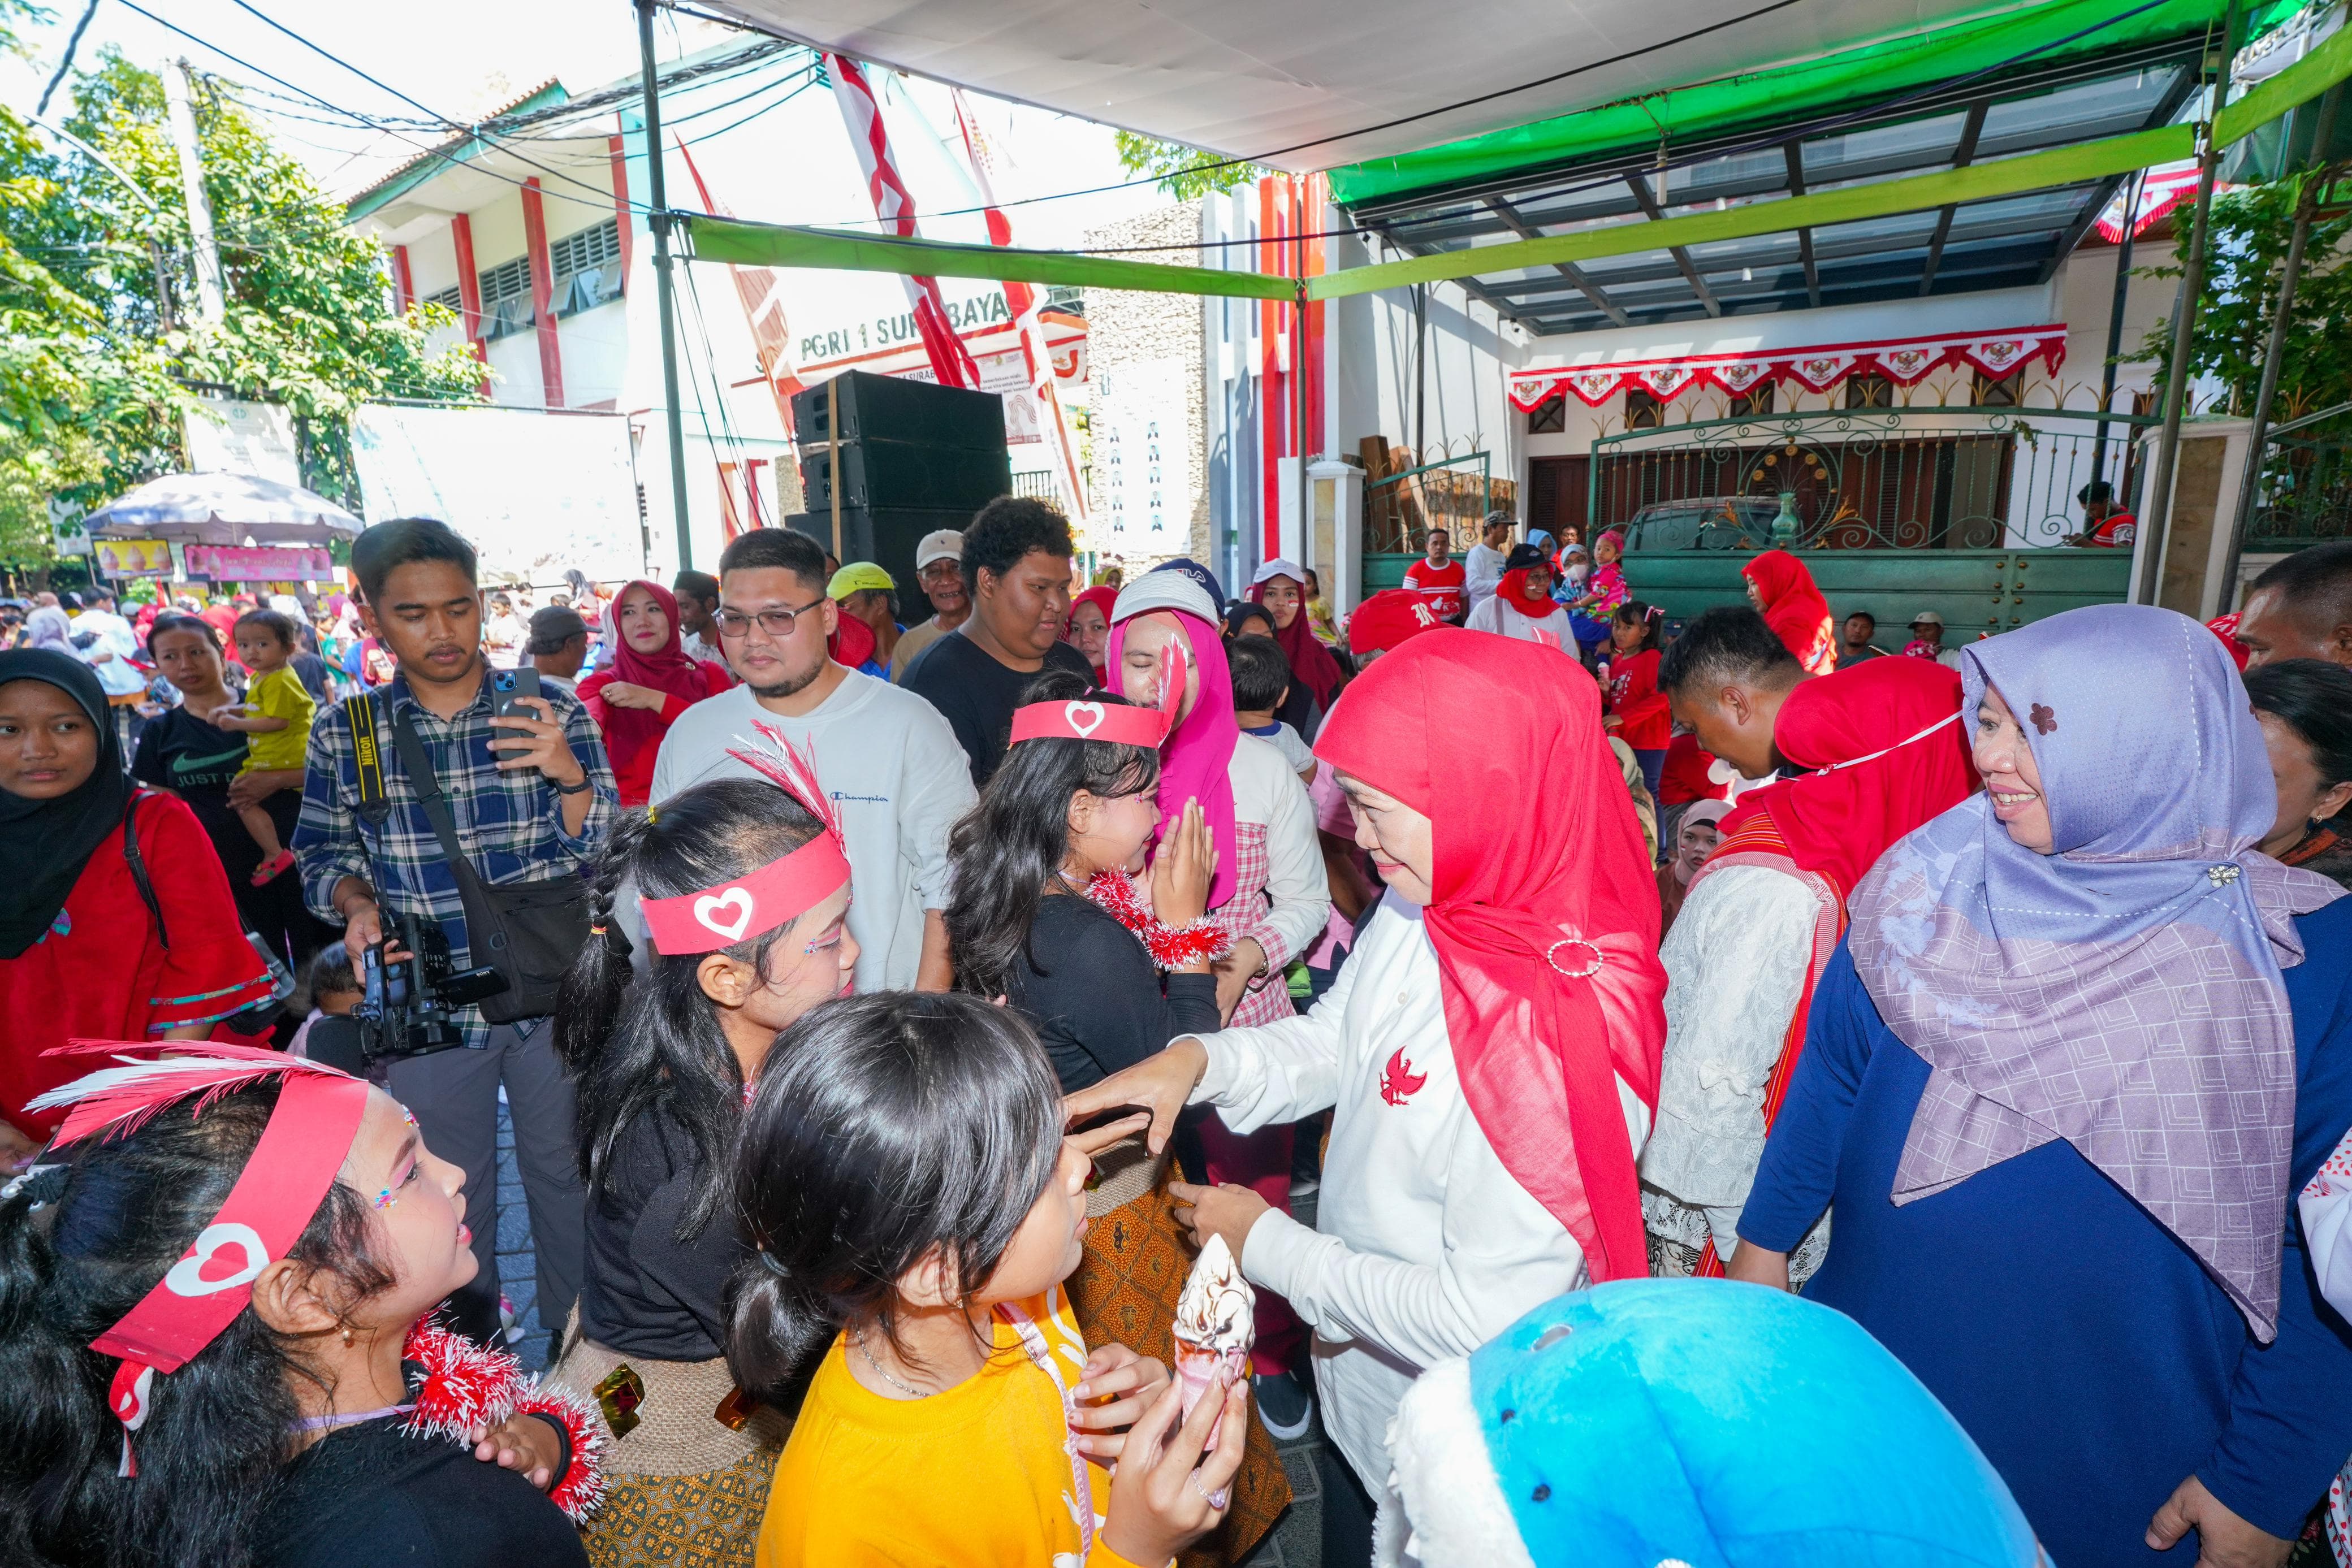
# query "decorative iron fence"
(2305, 491)
(1401, 506)
(1911, 478)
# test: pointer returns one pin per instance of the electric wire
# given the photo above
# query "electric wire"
(66, 64)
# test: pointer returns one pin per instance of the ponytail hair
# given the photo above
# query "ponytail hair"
(82, 1243)
(634, 1043)
(1009, 845)
(1648, 617)
(884, 1127)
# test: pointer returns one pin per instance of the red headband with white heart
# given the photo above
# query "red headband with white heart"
(309, 1136)
(1119, 723)
(752, 905)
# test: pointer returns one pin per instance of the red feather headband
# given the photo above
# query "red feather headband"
(785, 888)
(309, 1137)
(1120, 724)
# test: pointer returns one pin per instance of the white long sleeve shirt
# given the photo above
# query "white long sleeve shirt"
(1482, 574)
(1425, 1246)
(1735, 962)
(1507, 621)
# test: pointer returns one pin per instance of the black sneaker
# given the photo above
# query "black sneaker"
(1283, 1404)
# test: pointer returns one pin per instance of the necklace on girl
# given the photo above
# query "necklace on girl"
(909, 1389)
(1171, 946)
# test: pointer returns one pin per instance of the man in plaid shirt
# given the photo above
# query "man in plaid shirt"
(531, 798)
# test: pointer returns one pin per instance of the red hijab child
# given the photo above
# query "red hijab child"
(1779, 586)
(649, 683)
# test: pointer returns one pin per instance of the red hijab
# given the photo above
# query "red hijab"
(1514, 591)
(851, 642)
(1104, 597)
(1795, 609)
(1310, 662)
(1525, 902)
(1838, 822)
(667, 669)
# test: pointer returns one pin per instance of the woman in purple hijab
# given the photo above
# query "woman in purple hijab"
(2081, 1042)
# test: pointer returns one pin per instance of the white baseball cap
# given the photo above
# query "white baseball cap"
(1927, 615)
(944, 544)
(1163, 590)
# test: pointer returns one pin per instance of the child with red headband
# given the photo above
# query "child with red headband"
(212, 1304)
(744, 889)
(1046, 915)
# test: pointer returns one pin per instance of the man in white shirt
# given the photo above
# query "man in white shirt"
(116, 645)
(1484, 566)
(887, 758)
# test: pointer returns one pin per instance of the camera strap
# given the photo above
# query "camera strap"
(359, 713)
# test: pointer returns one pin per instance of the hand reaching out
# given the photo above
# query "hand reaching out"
(525, 1442)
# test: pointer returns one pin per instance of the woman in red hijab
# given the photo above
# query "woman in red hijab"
(1779, 586)
(651, 681)
(1885, 751)
(1489, 1052)
(1088, 628)
(1281, 586)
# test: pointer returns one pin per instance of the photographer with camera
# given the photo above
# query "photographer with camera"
(448, 818)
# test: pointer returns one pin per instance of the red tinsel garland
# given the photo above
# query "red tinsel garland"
(1171, 946)
(467, 1386)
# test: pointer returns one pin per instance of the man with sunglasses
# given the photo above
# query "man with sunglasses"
(887, 758)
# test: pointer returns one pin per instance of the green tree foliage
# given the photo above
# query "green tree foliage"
(100, 351)
(2244, 265)
(1185, 173)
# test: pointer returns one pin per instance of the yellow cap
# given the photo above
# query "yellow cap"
(856, 576)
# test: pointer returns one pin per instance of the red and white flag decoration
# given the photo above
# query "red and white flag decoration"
(1904, 360)
(862, 112)
(2163, 188)
(1026, 301)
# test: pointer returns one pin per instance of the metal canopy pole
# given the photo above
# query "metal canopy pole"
(659, 218)
(2258, 434)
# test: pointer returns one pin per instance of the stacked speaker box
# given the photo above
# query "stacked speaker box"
(913, 457)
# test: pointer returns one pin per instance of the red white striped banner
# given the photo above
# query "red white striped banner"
(2168, 185)
(1025, 302)
(1903, 360)
(861, 111)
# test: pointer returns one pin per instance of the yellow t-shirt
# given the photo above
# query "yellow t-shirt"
(277, 695)
(984, 1473)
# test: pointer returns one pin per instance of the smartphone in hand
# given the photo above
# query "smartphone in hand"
(506, 686)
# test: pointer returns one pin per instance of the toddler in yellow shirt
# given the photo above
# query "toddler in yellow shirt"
(276, 714)
(908, 1190)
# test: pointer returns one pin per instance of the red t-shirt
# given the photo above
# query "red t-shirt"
(1439, 585)
(2115, 530)
(1646, 723)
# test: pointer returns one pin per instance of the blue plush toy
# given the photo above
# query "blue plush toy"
(1690, 1424)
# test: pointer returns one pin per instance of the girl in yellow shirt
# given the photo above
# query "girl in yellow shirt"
(904, 1183)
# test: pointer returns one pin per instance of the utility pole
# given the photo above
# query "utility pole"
(210, 294)
(657, 193)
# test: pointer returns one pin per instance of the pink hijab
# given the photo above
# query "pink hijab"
(1196, 757)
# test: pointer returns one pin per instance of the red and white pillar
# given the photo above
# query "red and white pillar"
(542, 295)
(470, 290)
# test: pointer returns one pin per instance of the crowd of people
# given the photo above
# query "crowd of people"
(885, 1009)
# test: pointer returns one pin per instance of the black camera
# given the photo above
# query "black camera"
(407, 1004)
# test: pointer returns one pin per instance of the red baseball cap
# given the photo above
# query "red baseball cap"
(1388, 619)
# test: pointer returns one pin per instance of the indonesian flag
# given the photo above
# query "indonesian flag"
(1025, 302)
(862, 112)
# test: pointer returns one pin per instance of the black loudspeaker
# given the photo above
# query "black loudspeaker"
(893, 408)
(886, 536)
(885, 472)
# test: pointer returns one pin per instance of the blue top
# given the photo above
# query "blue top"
(2083, 1348)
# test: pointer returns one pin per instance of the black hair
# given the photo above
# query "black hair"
(2096, 491)
(1863, 615)
(774, 549)
(281, 624)
(327, 974)
(80, 1245)
(699, 586)
(1240, 614)
(180, 621)
(884, 1128)
(1648, 617)
(1008, 528)
(2313, 698)
(1261, 672)
(1729, 643)
(404, 541)
(1013, 843)
(634, 1046)
(2315, 585)
(100, 594)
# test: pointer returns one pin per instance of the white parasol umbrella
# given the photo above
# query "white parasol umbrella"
(221, 509)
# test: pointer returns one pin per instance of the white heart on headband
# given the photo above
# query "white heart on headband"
(1094, 711)
(193, 1275)
(707, 908)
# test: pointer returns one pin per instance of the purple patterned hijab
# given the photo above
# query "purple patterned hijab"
(2122, 993)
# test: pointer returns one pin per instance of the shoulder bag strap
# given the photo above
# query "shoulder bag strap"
(138, 863)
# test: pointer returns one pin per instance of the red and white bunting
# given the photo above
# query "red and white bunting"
(1904, 360)
(2167, 186)
(861, 111)
(1026, 301)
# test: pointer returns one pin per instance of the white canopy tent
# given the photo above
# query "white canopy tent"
(1246, 77)
(221, 509)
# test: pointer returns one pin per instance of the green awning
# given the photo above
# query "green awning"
(2044, 34)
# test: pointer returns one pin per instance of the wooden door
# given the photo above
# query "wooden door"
(1556, 496)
